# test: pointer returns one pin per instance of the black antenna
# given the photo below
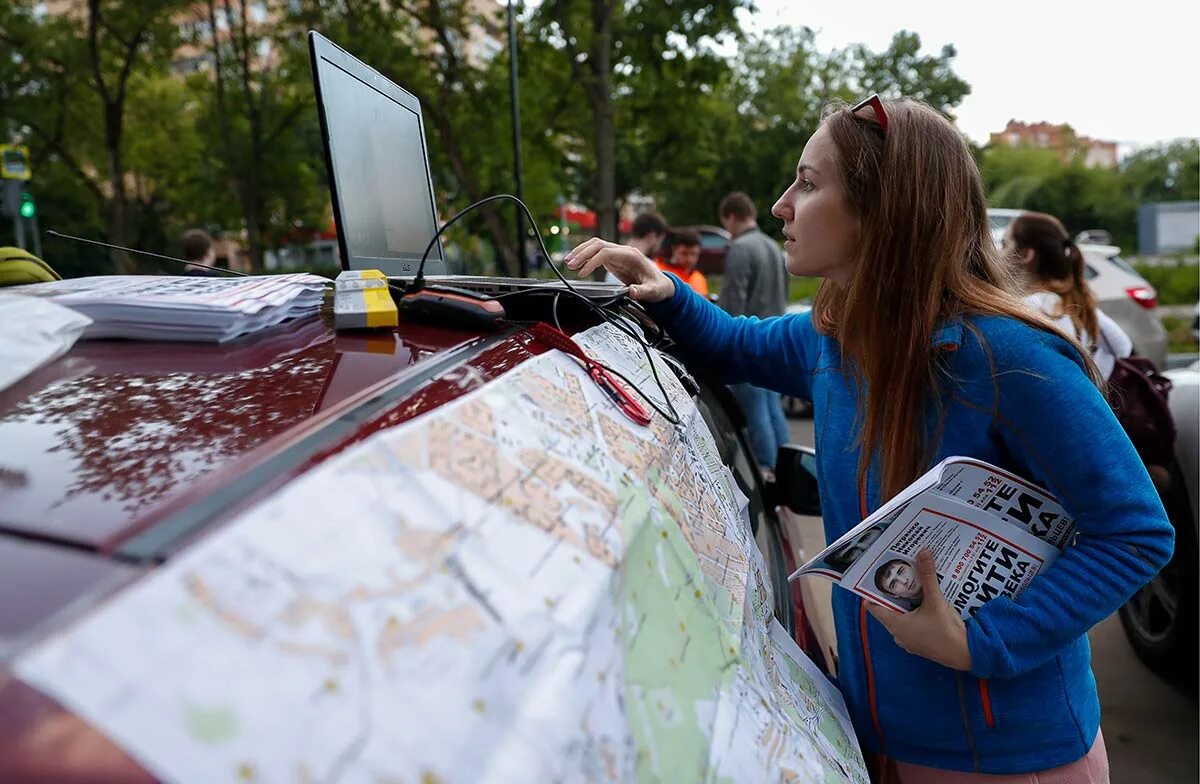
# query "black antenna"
(52, 233)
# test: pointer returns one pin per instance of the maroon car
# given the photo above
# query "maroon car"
(119, 456)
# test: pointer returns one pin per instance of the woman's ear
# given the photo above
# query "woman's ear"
(1028, 256)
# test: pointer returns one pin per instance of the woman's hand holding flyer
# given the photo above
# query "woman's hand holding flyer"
(983, 532)
(934, 630)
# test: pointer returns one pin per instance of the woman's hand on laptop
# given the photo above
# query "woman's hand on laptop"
(646, 282)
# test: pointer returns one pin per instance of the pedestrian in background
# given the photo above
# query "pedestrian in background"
(754, 284)
(682, 256)
(1052, 267)
(198, 246)
(649, 231)
(918, 347)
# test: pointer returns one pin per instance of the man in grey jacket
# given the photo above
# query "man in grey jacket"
(755, 284)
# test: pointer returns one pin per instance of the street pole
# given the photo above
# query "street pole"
(12, 203)
(522, 261)
(37, 237)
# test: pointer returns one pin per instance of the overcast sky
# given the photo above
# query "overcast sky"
(1128, 72)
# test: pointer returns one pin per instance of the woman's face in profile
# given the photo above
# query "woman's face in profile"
(822, 233)
(900, 580)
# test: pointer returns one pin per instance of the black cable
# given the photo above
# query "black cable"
(673, 417)
(600, 309)
(60, 235)
(419, 281)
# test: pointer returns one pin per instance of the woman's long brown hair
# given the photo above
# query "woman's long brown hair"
(925, 256)
(1057, 267)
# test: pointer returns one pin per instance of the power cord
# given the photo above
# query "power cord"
(601, 309)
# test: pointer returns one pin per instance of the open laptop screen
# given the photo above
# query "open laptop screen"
(378, 166)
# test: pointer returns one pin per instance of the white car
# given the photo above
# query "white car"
(1160, 620)
(1000, 217)
(1128, 299)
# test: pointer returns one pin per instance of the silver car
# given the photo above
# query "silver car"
(1127, 299)
(1160, 620)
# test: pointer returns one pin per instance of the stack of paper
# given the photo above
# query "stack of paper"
(164, 307)
(32, 333)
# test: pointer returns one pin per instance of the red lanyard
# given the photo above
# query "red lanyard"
(615, 392)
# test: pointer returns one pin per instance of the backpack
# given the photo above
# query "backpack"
(1138, 394)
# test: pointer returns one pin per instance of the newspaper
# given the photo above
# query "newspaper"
(183, 307)
(33, 333)
(990, 534)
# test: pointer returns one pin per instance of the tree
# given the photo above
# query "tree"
(76, 71)
(902, 70)
(608, 45)
(425, 46)
(257, 98)
(1040, 180)
(752, 133)
(1166, 172)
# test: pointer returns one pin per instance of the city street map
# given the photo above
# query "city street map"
(520, 586)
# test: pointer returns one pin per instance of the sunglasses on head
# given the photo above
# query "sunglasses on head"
(876, 104)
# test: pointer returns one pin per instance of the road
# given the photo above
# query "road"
(1150, 728)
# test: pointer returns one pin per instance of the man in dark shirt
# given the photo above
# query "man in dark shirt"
(754, 284)
(198, 247)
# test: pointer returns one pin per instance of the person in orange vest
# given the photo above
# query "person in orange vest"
(684, 249)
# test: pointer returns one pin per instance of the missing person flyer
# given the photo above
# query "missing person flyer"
(1008, 497)
(978, 557)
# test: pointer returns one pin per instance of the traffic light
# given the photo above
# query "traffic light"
(27, 209)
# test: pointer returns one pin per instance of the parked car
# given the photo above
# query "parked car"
(1093, 237)
(120, 456)
(1127, 299)
(999, 218)
(1160, 619)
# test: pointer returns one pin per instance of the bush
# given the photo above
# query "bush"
(1180, 339)
(1176, 284)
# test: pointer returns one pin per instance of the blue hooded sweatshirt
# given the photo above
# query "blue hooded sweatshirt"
(1016, 397)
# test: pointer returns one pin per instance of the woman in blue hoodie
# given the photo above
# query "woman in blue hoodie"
(918, 348)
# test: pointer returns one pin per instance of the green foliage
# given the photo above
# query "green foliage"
(754, 128)
(1180, 339)
(1167, 172)
(799, 289)
(241, 153)
(1083, 198)
(1176, 284)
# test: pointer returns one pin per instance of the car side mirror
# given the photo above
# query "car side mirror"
(796, 479)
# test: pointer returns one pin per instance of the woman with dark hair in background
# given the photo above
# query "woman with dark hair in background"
(1053, 268)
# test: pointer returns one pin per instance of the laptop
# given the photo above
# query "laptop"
(384, 205)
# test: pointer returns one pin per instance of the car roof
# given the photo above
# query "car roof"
(100, 437)
(108, 453)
